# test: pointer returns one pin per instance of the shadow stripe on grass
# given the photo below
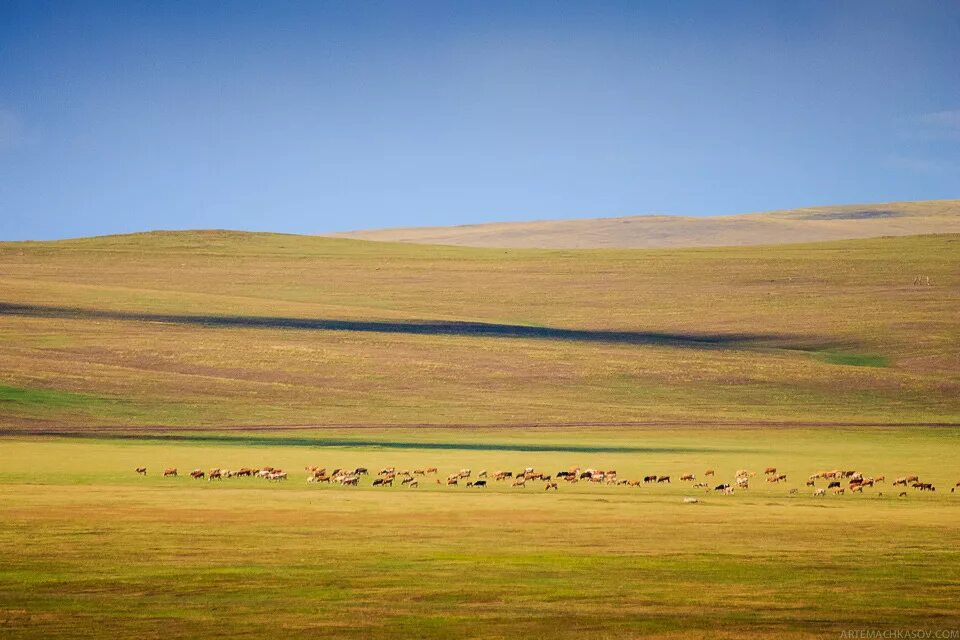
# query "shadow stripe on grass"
(384, 444)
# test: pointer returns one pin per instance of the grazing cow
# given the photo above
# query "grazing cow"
(880, 479)
(913, 479)
(819, 492)
(360, 471)
(482, 474)
(834, 484)
(663, 479)
(420, 472)
(902, 481)
(464, 473)
(387, 470)
(728, 491)
(453, 481)
(478, 484)
(551, 485)
(838, 491)
(769, 471)
(811, 483)
(688, 476)
(709, 472)
(722, 487)
(649, 478)
(215, 474)
(170, 471)
(856, 488)
(377, 482)
(520, 482)
(701, 485)
(902, 494)
(407, 480)
(196, 474)
(414, 484)
(926, 486)
(431, 470)
(350, 481)
(743, 482)
(142, 471)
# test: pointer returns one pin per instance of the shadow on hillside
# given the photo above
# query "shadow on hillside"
(352, 443)
(416, 327)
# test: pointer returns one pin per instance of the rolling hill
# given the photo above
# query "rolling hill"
(797, 225)
(215, 329)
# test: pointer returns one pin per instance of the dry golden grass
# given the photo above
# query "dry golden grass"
(219, 328)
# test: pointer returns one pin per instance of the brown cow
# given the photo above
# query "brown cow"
(663, 479)
(709, 472)
(687, 476)
(196, 474)
(142, 471)
(769, 470)
(551, 485)
(170, 471)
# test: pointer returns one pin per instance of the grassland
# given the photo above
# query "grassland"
(814, 224)
(221, 329)
(90, 550)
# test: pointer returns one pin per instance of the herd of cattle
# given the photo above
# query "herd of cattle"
(856, 481)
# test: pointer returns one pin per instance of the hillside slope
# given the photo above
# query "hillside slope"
(798, 225)
(220, 328)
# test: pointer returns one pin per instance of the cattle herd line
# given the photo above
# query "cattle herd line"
(856, 481)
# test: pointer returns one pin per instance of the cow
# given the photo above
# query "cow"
(834, 484)
(856, 488)
(350, 481)
(769, 471)
(551, 485)
(361, 471)
(701, 485)
(880, 479)
(407, 480)
(902, 481)
(196, 474)
(913, 479)
(142, 471)
(420, 472)
(926, 486)
(902, 494)
(688, 476)
(414, 484)
(811, 483)
(794, 492)
(709, 472)
(170, 471)
(387, 470)
(663, 479)
(722, 487)
(728, 491)
(649, 479)
(215, 474)
(838, 491)
(819, 492)
(743, 482)
(464, 473)
(520, 482)
(479, 484)
(453, 481)
(431, 470)
(377, 482)
(482, 474)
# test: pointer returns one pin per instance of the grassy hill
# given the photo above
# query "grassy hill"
(221, 328)
(796, 225)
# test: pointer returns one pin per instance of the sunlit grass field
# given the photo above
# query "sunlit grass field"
(90, 549)
(217, 328)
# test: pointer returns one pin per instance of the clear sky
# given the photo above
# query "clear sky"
(310, 117)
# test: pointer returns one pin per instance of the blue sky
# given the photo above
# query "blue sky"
(309, 117)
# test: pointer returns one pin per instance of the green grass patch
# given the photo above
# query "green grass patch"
(855, 359)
